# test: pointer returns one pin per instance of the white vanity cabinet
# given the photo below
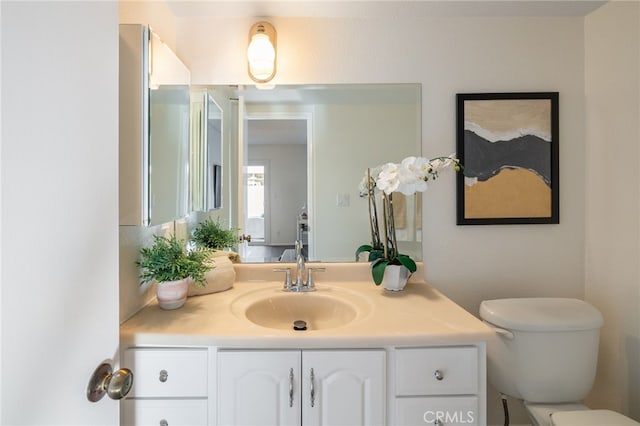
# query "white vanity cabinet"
(170, 387)
(308, 387)
(440, 385)
(188, 386)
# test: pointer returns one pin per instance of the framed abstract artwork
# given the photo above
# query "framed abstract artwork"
(508, 145)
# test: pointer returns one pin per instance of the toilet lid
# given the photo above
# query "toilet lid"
(591, 418)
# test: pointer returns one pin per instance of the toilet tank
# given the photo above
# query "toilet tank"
(545, 349)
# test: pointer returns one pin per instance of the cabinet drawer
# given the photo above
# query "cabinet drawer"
(167, 372)
(181, 412)
(450, 410)
(437, 371)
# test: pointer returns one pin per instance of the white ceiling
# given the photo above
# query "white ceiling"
(381, 8)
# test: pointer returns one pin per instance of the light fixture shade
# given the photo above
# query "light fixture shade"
(261, 53)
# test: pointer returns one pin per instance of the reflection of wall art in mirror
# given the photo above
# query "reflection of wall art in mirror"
(508, 143)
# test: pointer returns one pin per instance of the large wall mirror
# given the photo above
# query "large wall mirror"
(302, 153)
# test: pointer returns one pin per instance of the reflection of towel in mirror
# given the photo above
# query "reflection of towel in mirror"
(400, 210)
(418, 218)
(220, 278)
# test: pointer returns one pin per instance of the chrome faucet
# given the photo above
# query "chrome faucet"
(299, 285)
(299, 265)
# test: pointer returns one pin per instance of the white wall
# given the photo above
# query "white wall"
(612, 87)
(448, 56)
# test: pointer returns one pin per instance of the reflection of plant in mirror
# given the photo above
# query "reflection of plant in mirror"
(408, 177)
(214, 235)
(167, 260)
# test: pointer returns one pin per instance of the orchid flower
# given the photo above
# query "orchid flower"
(408, 177)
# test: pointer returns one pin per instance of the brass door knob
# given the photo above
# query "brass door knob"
(104, 381)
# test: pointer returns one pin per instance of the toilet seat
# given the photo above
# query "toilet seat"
(590, 418)
(540, 413)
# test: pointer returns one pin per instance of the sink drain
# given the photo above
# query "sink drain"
(299, 325)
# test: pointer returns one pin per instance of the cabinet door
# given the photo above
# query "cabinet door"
(259, 388)
(343, 387)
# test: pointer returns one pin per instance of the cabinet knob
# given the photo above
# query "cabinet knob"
(163, 376)
(437, 422)
(438, 375)
(163, 422)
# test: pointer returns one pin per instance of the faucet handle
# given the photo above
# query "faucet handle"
(310, 284)
(287, 277)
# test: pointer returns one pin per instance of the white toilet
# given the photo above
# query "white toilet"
(545, 353)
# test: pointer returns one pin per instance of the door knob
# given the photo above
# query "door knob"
(115, 384)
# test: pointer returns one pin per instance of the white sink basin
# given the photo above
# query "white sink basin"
(318, 310)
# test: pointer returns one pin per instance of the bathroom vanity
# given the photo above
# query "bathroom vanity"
(367, 357)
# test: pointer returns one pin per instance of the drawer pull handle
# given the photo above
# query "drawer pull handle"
(438, 375)
(291, 388)
(313, 389)
(163, 376)
(163, 422)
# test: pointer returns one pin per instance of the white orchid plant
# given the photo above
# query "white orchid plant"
(408, 177)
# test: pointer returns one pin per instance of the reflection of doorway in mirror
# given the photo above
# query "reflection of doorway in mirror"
(255, 216)
(281, 142)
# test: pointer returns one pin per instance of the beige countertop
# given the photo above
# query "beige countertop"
(418, 315)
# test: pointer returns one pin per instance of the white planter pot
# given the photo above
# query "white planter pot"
(172, 294)
(220, 278)
(395, 277)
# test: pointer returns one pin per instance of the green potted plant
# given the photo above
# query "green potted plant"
(388, 265)
(169, 264)
(214, 235)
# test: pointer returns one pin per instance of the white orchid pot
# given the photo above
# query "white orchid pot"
(172, 294)
(395, 277)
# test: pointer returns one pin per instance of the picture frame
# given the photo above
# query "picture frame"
(508, 146)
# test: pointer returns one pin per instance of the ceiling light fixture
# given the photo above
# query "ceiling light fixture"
(261, 53)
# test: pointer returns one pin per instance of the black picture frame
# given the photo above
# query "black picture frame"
(217, 186)
(508, 146)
